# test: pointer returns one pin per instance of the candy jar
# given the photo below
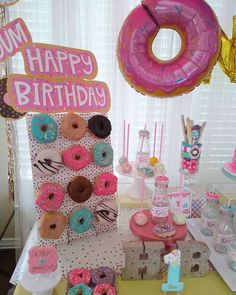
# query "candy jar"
(231, 257)
(160, 202)
(224, 230)
(210, 213)
(143, 150)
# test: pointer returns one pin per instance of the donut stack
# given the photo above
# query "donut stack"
(72, 163)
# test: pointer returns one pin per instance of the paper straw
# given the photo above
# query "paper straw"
(124, 138)
(142, 194)
(127, 147)
(161, 143)
(145, 126)
(180, 189)
(155, 136)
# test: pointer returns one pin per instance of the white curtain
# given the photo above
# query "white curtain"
(95, 25)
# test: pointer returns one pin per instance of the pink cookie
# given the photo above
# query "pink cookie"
(102, 289)
(106, 184)
(42, 259)
(79, 275)
(77, 157)
(106, 212)
(50, 196)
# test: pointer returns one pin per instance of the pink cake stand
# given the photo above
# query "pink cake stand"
(145, 232)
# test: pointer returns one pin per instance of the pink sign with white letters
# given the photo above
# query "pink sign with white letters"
(12, 37)
(57, 61)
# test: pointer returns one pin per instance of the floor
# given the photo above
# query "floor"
(7, 266)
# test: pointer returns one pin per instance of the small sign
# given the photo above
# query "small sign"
(186, 202)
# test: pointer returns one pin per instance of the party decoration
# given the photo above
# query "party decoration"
(227, 58)
(8, 2)
(13, 37)
(195, 255)
(42, 259)
(200, 32)
(173, 284)
(142, 260)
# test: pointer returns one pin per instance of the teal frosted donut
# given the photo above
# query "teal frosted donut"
(81, 220)
(80, 289)
(44, 128)
(102, 154)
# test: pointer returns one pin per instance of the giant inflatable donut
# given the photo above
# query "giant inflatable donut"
(200, 33)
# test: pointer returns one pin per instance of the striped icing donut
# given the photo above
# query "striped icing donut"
(200, 33)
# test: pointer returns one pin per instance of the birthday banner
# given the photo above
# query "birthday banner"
(58, 79)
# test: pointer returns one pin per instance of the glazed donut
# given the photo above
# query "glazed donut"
(103, 274)
(47, 162)
(52, 225)
(79, 275)
(80, 289)
(106, 212)
(104, 289)
(50, 196)
(105, 184)
(81, 220)
(199, 30)
(102, 154)
(80, 189)
(44, 128)
(73, 126)
(76, 157)
(100, 126)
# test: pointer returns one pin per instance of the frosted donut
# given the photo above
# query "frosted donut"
(199, 30)
(80, 189)
(47, 162)
(103, 274)
(52, 225)
(102, 154)
(44, 128)
(106, 212)
(79, 275)
(76, 157)
(80, 289)
(104, 289)
(100, 126)
(50, 196)
(106, 184)
(81, 220)
(73, 126)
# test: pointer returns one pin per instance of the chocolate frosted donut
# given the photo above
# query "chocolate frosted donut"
(80, 189)
(100, 126)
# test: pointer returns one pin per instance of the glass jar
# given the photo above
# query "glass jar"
(224, 230)
(143, 149)
(231, 257)
(160, 202)
(210, 213)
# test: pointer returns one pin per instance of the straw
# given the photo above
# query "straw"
(127, 147)
(142, 194)
(180, 190)
(124, 139)
(161, 143)
(155, 136)
(145, 126)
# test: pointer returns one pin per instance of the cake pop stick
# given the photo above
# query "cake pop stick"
(124, 127)
(141, 218)
(160, 152)
(127, 167)
(154, 143)
(127, 147)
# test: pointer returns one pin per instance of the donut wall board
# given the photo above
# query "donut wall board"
(65, 175)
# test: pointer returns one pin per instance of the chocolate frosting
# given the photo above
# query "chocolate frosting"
(80, 189)
(100, 126)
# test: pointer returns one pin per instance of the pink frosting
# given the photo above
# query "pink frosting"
(162, 179)
(196, 23)
(212, 196)
(100, 289)
(106, 184)
(79, 276)
(77, 157)
(50, 196)
(42, 259)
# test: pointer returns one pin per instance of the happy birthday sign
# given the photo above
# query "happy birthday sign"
(59, 79)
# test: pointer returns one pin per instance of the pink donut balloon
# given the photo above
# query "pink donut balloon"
(200, 33)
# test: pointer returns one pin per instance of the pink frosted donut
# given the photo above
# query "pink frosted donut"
(50, 196)
(106, 184)
(79, 275)
(200, 33)
(76, 157)
(104, 289)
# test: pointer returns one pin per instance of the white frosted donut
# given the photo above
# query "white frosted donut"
(47, 162)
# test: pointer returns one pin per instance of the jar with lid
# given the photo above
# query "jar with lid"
(143, 149)
(224, 229)
(210, 213)
(231, 255)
